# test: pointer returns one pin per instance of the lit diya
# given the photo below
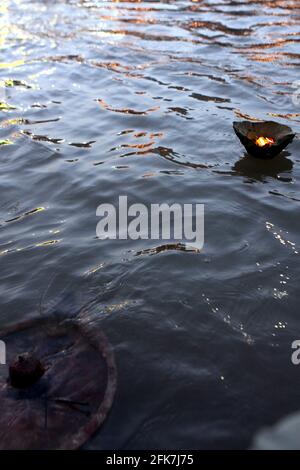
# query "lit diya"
(263, 139)
(58, 392)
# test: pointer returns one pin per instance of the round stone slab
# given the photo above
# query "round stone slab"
(72, 398)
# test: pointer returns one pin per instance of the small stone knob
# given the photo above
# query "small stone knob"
(25, 370)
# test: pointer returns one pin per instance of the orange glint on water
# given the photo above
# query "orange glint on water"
(263, 141)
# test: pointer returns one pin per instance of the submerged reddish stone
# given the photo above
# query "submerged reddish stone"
(58, 396)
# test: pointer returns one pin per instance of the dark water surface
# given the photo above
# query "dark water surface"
(138, 98)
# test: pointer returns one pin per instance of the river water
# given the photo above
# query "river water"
(101, 99)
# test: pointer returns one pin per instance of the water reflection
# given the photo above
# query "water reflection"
(260, 170)
(138, 98)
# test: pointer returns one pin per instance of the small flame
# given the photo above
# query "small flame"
(263, 141)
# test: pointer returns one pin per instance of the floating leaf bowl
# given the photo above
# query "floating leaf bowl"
(265, 139)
